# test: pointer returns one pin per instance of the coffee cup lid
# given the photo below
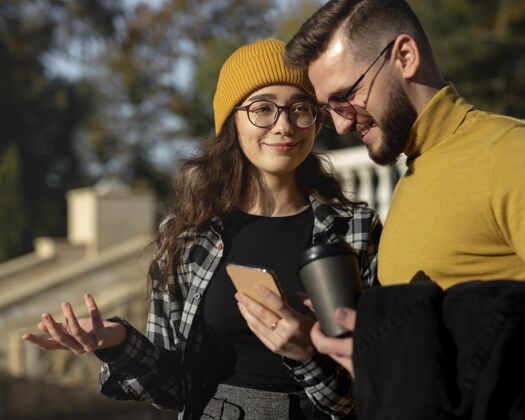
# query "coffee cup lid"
(325, 250)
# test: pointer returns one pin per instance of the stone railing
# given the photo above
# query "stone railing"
(364, 180)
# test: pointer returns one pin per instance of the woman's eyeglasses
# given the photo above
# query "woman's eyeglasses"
(265, 113)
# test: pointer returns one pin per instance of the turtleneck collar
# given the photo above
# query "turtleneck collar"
(439, 119)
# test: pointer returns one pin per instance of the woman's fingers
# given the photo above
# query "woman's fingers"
(94, 314)
(79, 335)
(59, 335)
(44, 343)
(262, 331)
(86, 340)
(275, 303)
(257, 314)
(288, 336)
(42, 327)
(305, 299)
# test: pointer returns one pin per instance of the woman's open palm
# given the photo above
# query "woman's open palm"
(79, 335)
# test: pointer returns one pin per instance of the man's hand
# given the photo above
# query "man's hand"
(339, 349)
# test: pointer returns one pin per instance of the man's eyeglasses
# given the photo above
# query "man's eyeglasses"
(341, 104)
(265, 113)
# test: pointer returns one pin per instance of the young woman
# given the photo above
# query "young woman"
(256, 196)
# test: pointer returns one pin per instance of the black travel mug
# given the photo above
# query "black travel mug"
(331, 276)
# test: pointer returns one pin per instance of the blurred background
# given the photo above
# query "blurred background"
(100, 100)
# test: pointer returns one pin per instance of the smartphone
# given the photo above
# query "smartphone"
(246, 277)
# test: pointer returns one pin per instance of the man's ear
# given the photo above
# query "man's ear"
(406, 56)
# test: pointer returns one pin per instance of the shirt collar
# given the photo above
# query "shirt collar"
(439, 119)
(325, 217)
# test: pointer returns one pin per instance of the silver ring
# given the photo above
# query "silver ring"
(274, 325)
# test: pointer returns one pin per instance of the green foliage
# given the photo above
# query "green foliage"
(196, 107)
(480, 48)
(160, 79)
(295, 13)
(199, 35)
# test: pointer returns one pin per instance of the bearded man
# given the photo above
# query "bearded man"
(458, 214)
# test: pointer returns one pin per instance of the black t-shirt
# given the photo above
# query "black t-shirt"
(275, 243)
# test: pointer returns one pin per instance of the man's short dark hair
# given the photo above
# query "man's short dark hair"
(368, 24)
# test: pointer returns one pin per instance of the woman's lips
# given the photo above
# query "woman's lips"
(281, 147)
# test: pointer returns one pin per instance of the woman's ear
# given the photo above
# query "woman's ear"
(406, 56)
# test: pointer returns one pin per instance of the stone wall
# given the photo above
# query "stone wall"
(107, 258)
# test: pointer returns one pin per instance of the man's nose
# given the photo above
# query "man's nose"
(341, 124)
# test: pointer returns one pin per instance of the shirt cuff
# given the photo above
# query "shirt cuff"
(310, 373)
(122, 356)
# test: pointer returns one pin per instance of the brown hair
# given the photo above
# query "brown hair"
(368, 24)
(213, 184)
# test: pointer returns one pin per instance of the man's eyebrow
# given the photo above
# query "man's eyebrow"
(338, 94)
(342, 92)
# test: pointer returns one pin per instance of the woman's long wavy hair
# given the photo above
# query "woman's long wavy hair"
(213, 185)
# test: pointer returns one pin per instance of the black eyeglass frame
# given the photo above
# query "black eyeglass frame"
(344, 97)
(280, 108)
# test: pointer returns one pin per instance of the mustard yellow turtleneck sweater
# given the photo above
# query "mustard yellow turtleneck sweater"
(459, 212)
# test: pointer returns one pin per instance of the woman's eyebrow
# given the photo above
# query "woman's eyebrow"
(271, 96)
(262, 96)
(301, 96)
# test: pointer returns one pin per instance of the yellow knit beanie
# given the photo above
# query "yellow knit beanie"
(249, 68)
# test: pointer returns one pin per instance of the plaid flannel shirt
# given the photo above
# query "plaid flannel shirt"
(164, 368)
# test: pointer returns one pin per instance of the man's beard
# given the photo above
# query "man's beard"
(395, 125)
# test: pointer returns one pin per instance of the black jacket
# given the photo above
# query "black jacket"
(424, 353)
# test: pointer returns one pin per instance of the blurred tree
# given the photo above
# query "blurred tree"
(12, 209)
(480, 47)
(160, 79)
(143, 80)
(39, 113)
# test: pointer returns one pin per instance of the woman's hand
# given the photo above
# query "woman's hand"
(80, 335)
(280, 328)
